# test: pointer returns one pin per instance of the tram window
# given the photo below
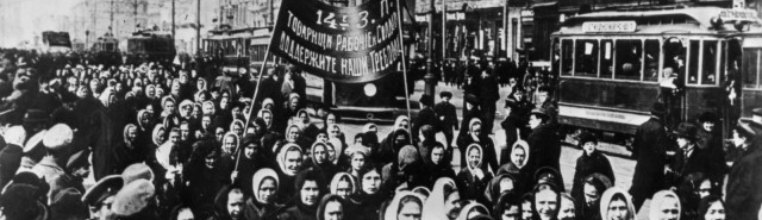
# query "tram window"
(586, 56)
(628, 58)
(567, 49)
(750, 63)
(607, 58)
(652, 49)
(709, 70)
(693, 63)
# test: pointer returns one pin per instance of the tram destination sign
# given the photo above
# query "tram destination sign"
(738, 15)
(609, 26)
(342, 44)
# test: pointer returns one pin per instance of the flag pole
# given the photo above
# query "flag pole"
(256, 89)
(404, 67)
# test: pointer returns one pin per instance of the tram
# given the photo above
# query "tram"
(625, 59)
(106, 49)
(153, 46)
(53, 41)
(238, 48)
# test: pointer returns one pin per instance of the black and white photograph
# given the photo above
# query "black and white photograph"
(380, 109)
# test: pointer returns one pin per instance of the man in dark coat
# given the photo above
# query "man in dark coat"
(448, 118)
(489, 94)
(649, 150)
(426, 116)
(691, 158)
(744, 192)
(544, 144)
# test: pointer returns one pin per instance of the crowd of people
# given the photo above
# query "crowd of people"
(163, 142)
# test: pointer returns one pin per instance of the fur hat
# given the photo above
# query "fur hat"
(587, 137)
(104, 188)
(57, 137)
(137, 171)
(133, 198)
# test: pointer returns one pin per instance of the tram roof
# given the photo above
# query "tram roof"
(694, 20)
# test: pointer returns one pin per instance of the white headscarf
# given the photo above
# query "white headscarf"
(608, 195)
(260, 176)
(658, 200)
(393, 209)
(434, 207)
(15, 135)
(282, 157)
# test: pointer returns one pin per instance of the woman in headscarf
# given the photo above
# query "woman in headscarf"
(404, 205)
(309, 189)
(515, 167)
(472, 210)
(616, 204)
(204, 177)
(473, 180)
(265, 187)
(302, 119)
(507, 207)
(712, 208)
(130, 150)
(229, 152)
(329, 120)
(370, 130)
(545, 202)
(501, 184)
(145, 121)
(588, 202)
(185, 109)
(371, 195)
(343, 185)
(332, 207)
(319, 160)
(438, 164)
(443, 203)
(237, 127)
(167, 107)
(470, 111)
(335, 137)
(665, 205)
(158, 136)
(390, 146)
(406, 171)
(476, 136)
(290, 163)
(209, 108)
(591, 161)
(358, 160)
(294, 136)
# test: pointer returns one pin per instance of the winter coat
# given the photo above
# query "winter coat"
(649, 149)
(589, 164)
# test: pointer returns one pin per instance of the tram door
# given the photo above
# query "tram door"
(672, 80)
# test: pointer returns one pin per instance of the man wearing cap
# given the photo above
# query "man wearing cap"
(489, 94)
(744, 192)
(100, 196)
(649, 150)
(426, 116)
(690, 158)
(448, 118)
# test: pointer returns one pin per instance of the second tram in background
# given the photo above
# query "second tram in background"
(623, 60)
(152, 46)
(234, 49)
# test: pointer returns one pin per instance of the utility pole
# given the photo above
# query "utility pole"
(444, 34)
(272, 13)
(111, 19)
(429, 77)
(173, 22)
(198, 29)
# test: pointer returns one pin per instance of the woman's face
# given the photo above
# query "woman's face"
(371, 182)
(534, 121)
(161, 137)
(208, 108)
(209, 161)
(705, 189)
(476, 130)
(669, 209)
(452, 205)
(322, 137)
(228, 146)
(219, 133)
(358, 160)
(266, 190)
(303, 117)
(206, 121)
(293, 134)
(293, 161)
(344, 188)
(518, 156)
(591, 195)
(200, 84)
(174, 137)
(150, 91)
(546, 204)
(197, 112)
(617, 210)
(237, 129)
(169, 106)
(715, 212)
(268, 118)
(132, 133)
(506, 185)
(320, 154)
(333, 211)
(474, 157)
(224, 102)
(82, 92)
(437, 155)
(335, 132)
(410, 211)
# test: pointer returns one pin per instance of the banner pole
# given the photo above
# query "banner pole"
(404, 68)
(256, 90)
